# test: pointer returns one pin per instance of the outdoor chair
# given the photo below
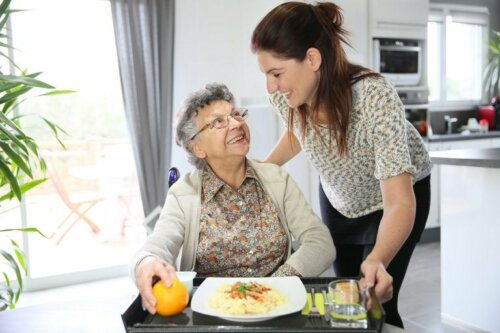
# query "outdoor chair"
(78, 207)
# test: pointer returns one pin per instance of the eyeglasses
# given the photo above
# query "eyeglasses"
(238, 114)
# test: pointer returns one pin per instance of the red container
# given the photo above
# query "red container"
(487, 112)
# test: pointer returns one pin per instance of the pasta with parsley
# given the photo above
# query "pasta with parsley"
(242, 298)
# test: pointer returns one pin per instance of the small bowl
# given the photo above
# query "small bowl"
(187, 279)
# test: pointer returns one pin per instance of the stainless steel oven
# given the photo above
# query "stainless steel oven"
(399, 60)
(415, 100)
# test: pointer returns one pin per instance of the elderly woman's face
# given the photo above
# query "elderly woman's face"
(220, 144)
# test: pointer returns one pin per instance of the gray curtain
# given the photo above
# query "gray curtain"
(144, 33)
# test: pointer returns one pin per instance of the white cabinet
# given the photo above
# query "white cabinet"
(434, 213)
(398, 18)
(469, 245)
(366, 19)
(355, 14)
(465, 144)
(495, 143)
(433, 219)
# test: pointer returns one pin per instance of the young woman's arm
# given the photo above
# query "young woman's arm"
(395, 227)
(287, 147)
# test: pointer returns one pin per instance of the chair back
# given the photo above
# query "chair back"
(150, 220)
(173, 175)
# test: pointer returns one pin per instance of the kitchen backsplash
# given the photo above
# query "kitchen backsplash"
(438, 124)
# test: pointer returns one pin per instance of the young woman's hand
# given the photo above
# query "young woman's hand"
(375, 275)
(146, 272)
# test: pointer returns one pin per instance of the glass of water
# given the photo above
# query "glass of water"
(348, 304)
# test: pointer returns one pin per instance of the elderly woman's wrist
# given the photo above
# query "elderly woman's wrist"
(144, 260)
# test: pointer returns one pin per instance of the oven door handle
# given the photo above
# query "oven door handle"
(415, 106)
(400, 48)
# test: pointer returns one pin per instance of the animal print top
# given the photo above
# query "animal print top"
(381, 144)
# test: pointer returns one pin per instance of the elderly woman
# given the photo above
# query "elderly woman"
(231, 216)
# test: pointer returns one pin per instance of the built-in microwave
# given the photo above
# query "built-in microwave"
(399, 60)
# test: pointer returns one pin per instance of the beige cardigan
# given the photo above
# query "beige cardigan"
(176, 231)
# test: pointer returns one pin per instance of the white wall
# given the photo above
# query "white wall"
(212, 44)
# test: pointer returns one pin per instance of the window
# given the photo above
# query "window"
(90, 208)
(456, 54)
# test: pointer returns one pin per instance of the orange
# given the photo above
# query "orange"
(170, 300)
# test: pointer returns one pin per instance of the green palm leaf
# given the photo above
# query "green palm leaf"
(23, 188)
(27, 229)
(12, 263)
(491, 73)
(27, 80)
(11, 179)
(19, 157)
(11, 124)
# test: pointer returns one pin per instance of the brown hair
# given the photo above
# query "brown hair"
(288, 31)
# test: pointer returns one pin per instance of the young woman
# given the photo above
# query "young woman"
(373, 165)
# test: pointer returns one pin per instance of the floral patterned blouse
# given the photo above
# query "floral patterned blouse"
(240, 232)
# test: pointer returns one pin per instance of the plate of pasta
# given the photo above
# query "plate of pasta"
(249, 299)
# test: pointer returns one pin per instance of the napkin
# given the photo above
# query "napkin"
(319, 304)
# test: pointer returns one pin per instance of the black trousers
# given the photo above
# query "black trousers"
(354, 239)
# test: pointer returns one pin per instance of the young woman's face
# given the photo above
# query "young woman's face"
(218, 145)
(297, 81)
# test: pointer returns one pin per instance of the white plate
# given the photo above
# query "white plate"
(290, 286)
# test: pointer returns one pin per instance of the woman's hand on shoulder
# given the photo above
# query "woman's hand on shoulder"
(375, 275)
(145, 273)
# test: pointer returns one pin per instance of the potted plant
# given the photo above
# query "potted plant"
(491, 78)
(19, 160)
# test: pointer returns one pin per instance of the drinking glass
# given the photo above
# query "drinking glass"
(348, 304)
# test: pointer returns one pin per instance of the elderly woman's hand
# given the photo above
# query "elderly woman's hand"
(374, 274)
(146, 271)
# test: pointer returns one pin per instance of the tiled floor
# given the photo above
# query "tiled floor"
(419, 296)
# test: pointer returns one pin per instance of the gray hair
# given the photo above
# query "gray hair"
(186, 128)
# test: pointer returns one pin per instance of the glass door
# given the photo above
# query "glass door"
(90, 207)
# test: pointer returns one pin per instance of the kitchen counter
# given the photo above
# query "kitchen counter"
(485, 158)
(469, 186)
(460, 136)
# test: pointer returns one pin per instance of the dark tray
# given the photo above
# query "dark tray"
(137, 320)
